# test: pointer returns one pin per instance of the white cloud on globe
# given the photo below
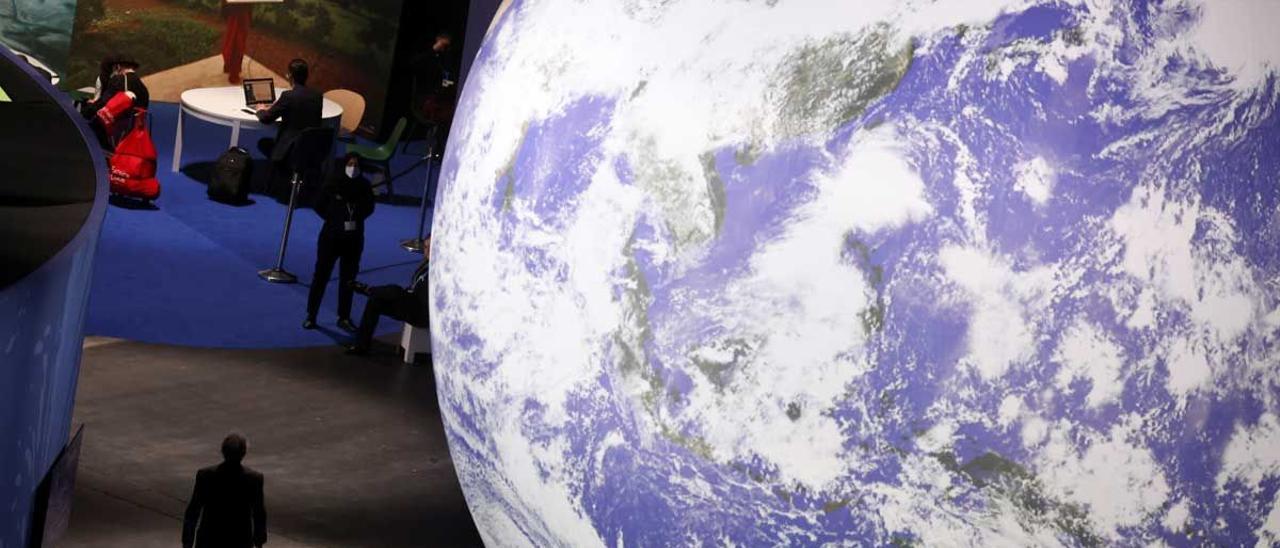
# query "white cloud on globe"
(1239, 36)
(825, 272)
(1086, 352)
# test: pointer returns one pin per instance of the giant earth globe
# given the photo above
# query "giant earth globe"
(836, 272)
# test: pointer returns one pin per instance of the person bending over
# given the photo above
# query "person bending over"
(226, 509)
(298, 109)
(106, 69)
(407, 305)
(344, 203)
(123, 78)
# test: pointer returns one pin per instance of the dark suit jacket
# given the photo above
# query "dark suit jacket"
(297, 109)
(407, 305)
(227, 505)
(434, 101)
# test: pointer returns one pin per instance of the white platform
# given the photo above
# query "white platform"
(414, 341)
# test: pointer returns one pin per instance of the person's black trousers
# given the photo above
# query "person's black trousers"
(392, 301)
(279, 172)
(335, 246)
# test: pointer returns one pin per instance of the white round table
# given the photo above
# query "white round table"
(223, 106)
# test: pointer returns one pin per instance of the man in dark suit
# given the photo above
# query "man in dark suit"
(435, 79)
(226, 509)
(407, 305)
(298, 109)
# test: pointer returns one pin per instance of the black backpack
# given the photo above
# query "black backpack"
(232, 174)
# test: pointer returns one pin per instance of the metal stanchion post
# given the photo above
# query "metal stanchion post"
(415, 245)
(278, 274)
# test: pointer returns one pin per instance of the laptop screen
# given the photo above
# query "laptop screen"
(259, 91)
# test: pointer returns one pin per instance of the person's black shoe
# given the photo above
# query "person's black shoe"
(346, 325)
(357, 350)
(309, 323)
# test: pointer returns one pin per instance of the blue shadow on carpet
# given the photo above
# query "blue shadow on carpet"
(185, 273)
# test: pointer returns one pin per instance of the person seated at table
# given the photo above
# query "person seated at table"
(298, 109)
(344, 202)
(407, 305)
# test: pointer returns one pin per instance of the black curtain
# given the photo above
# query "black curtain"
(478, 18)
(420, 20)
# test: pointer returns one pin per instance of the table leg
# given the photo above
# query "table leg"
(235, 134)
(177, 144)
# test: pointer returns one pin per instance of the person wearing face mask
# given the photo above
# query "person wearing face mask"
(344, 203)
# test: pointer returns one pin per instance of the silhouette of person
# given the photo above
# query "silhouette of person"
(408, 305)
(435, 75)
(226, 508)
(298, 109)
(344, 203)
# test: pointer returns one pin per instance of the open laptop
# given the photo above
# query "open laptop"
(259, 91)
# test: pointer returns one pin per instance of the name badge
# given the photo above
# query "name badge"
(349, 226)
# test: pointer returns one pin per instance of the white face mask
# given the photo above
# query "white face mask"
(352, 171)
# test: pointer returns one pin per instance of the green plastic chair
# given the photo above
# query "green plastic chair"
(380, 155)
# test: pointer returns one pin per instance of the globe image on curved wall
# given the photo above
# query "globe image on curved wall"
(865, 273)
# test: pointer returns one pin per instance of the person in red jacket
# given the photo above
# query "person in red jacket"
(235, 38)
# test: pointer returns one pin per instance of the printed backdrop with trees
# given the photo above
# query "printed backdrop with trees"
(348, 43)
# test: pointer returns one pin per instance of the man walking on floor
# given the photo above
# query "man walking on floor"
(226, 508)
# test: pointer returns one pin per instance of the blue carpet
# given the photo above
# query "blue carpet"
(185, 272)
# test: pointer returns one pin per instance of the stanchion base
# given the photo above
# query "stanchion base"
(412, 245)
(277, 276)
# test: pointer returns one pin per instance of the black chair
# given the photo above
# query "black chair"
(310, 154)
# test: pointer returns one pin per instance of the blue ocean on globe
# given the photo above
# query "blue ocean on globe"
(824, 272)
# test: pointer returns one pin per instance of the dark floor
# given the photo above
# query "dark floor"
(353, 449)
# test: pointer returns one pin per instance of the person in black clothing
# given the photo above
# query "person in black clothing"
(126, 80)
(435, 86)
(344, 203)
(226, 508)
(299, 108)
(123, 79)
(407, 305)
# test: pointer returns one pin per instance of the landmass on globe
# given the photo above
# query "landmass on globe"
(865, 273)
